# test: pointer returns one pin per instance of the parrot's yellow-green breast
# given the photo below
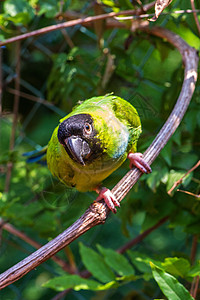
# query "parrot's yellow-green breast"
(107, 128)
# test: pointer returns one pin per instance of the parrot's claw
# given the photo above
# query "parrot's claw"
(109, 198)
(136, 159)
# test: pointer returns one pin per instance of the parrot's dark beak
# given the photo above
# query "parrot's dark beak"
(77, 148)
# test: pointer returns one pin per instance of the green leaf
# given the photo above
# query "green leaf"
(18, 11)
(70, 71)
(169, 285)
(116, 261)
(190, 120)
(156, 177)
(75, 282)
(166, 152)
(141, 262)
(49, 8)
(195, 270)
(96, 264)
(175, 176)
(185, 161)
(118, 282)
(163, 48)
(176, 266)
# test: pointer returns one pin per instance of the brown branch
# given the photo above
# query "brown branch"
(195, 285)
(176, 183)
(195, 282)
(10, 228)
(189, 193)
(142, 16)
(96, 214)
(61, 294)
(190, 60)
(141, 236)
(98, 211)
(194, 249)
(29, 97)
(67, 38)
(81, 21)
(195, 15)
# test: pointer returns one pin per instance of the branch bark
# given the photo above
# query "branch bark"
(98, 212)
(81, 21)
(195, 15)
(10, 228)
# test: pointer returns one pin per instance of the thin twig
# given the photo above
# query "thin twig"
(195, 282)
(140, 237)
(96, 214)
(196, 285)
(70, 257)
(195, 15)
(98, 211)
(29, 97)
(15, 114)
(61, 294)
(189, 193)
(80, 21)
(194, 249)
(190, 60)
(67, 38)
(182, 11)
(10, 228)
(176, 183)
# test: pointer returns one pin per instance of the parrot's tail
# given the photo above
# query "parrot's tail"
(38, 156)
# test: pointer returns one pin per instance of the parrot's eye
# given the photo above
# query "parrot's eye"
(87, 128)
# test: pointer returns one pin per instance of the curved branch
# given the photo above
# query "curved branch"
(10, 228)
(195, 15)
(81, 21)
(190, 60)
(98, 212)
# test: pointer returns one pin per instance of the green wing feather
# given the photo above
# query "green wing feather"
(118, 128)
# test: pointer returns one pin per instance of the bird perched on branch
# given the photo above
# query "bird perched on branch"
(92, 142)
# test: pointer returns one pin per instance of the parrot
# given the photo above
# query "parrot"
(93, 141)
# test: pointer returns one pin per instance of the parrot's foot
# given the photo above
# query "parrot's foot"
(108, 197)
(136, 159)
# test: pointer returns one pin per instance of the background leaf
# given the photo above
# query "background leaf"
(169, 285)
(116, 261)
(96, 264)
(176, 266)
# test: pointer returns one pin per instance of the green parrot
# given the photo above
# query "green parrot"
(93, 141)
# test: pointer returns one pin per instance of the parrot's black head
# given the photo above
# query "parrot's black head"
(78, 137)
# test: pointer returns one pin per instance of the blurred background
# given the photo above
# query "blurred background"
(42, 78)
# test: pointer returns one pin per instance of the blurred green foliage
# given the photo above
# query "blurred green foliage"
(59, 69)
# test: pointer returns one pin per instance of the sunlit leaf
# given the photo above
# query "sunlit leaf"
(169, 285)
(48, 7)
(71, 281)
(195, 270)
(18, 11)
(176, 266)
